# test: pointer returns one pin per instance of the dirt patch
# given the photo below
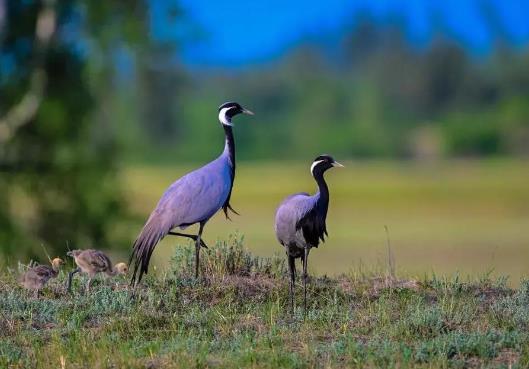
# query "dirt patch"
(381, 283)
(347, 286)
(252, 323)
(43, 326)
(507, 357)
(490, 293)
(248, 287)
(8, 327)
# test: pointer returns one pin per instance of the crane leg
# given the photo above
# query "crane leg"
(88, 285)
(197, 249)
(70, 278)
(305, 277)
(192, 236)
(292, 268)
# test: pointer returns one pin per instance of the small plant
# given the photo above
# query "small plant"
(227, 258)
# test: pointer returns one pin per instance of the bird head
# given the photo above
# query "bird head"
(230, 109)
(322, 163)
(73, 253)
(121, 268)
(57, 262)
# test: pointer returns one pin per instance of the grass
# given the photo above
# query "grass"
(445, 217)
(237, 316)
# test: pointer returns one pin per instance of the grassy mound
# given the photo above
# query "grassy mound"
(238, 316)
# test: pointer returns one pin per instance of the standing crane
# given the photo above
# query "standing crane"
(36, 277)
(300, 222)
(192, 199)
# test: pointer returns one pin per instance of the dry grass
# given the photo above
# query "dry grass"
(238, 316)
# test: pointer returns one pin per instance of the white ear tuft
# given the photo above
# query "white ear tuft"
(223, 118)
(314, 165)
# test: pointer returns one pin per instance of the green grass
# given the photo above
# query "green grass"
(466, 217)
(238, 317)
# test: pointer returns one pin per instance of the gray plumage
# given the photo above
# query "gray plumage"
(300, 222)
(36, 277)
(92, 262)
(192, 199)
(289, 217)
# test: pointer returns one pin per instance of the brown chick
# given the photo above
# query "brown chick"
(35, 278)
(92, 262)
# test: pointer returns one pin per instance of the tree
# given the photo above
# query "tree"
(58, 183)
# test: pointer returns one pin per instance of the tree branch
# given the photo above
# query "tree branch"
(27, 108)
(2, 16)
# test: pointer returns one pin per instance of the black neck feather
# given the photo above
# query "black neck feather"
(230, 147)
(323, 201)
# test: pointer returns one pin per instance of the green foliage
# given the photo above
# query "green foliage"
(368, 99)
(226, 258)
(59, 187)
(472, 134)
(514, 308)
(238, 316)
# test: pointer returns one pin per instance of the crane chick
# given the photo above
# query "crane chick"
(35, 278)
(300, 222)
(92, 262)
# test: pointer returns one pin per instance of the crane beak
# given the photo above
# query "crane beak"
(338, 165)
(246, 111)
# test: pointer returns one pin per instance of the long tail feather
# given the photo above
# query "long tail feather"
(144, 246)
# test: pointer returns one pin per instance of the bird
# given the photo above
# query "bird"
(36, 277)
(92, 262)
(121, 268)
(300, 222)
(192, 199)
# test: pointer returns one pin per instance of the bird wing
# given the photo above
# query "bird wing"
(36, 276)
(42, 271)
(97, 260)
(197, 196)
(194, 198)
(289, 212)
(313, 226)
(299, 212)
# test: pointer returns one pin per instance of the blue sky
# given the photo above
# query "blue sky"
(237, 32)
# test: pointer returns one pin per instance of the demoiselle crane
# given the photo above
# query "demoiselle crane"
(300, 222)
(192, 199)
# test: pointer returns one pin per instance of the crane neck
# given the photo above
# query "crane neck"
(323, 189)
(113, 271)
(229, 146)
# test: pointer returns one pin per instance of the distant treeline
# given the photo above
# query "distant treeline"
(376, 97)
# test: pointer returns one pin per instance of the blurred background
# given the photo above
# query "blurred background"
(104, 103)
